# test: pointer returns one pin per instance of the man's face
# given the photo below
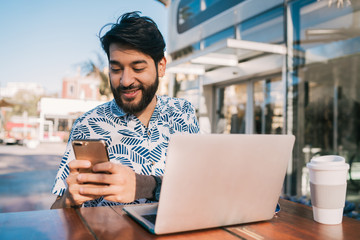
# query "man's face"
(134, 78)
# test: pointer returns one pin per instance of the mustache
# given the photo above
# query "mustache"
(123, 88)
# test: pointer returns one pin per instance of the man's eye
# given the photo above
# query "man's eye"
(115, 69)
(139, 69)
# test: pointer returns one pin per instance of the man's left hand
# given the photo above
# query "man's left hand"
(119, 182)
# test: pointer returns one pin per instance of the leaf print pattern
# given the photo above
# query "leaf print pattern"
(155, 135)
(139, 154)
(81, 132)
(119, 149)
(107, 139)
(128, 133)
(155, 154)
(95, 125)
(128, 141)
(125, 161)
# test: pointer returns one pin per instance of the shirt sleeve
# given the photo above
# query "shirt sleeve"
(60, 185)
(191, 118)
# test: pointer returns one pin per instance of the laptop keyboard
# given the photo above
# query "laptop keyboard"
(150, 217)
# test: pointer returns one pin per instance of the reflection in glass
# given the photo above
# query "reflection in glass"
(208, 3)
(268, 106)
(332, 105)
(325, 83)
(224, 34)
(231, 109)
(267, 27)
(188, 11)
(192, 13)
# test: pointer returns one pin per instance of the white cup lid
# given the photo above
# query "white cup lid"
(328, 162)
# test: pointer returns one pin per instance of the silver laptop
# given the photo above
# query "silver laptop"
(217, 180)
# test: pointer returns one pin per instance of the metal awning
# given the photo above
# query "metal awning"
(227, 52)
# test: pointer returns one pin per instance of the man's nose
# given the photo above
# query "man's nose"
(127, 78)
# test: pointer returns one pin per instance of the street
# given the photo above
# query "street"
(27, 175)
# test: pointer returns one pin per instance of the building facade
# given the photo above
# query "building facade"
(273, 67)
(81, 87)
(57, 116)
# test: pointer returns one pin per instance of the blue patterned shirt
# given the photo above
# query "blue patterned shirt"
(129, 142)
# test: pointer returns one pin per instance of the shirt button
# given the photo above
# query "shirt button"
(153, 163)
(149, 133)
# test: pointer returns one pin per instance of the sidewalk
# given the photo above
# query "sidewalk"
(27, 175)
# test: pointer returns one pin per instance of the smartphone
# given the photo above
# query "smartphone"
(93, 150)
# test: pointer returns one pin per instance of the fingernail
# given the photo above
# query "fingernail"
(79, 177)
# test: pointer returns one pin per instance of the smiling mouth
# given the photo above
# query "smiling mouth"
(130, 94)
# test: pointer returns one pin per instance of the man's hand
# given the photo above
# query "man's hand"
(72, 196)
(119, 183)
(115, 182)
(74, 185)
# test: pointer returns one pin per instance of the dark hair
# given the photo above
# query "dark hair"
(140, 33)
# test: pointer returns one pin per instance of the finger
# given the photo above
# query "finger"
(106, 167)
(96, 190)
(112, 194)
(75, 165)
(120, 198)
(101, 178)
(74, 192)
(72, 178)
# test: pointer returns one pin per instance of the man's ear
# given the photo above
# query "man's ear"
(161, 67)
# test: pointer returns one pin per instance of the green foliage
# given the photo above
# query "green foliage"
(25, 101)
(104, 87)
(91, 68)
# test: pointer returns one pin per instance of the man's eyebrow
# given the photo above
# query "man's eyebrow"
(132, 63)
(139, 62)
(114, 62)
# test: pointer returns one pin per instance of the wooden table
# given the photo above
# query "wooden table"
(294, 221)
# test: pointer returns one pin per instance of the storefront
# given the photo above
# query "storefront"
(279, 67)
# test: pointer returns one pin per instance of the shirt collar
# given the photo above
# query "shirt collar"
(161, 103)
(157, 109)
(116, 110)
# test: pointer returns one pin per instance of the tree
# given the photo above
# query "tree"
(25, 101)
(91, 68)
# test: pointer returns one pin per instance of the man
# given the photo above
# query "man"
(136, 125)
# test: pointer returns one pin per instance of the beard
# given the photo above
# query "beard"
(131, 107)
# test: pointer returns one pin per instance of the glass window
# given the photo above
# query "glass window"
(268, 106)
(316, 23)
(227, 33)
(209, 3)
(192, 13)
(267, 27)
(63, 125)
(188, 11)
(324, 87)
(186, 51)
(71, 90)
(231, 108)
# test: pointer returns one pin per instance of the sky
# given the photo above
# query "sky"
(44, 41)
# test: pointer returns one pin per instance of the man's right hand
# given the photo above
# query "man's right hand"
(72, 196)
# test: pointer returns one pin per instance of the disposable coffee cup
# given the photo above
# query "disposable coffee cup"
(328, 175)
